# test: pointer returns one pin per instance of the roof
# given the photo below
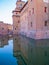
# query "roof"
(24, 6)
(21, 8)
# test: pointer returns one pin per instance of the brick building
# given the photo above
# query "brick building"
(5, 29)
(31, 18)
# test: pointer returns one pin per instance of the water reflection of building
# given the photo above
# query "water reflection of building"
(3, 41)
(17, 50)
(34, 52)
(16, 45)
(39, 53)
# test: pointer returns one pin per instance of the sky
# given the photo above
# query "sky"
(46, 0)
(6, 8)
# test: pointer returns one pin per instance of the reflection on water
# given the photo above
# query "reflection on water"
(6, 52)
(20, 50)
(33, 52)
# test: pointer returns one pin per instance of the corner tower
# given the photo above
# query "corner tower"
(16, 16)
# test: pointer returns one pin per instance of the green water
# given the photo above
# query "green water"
(20, 50)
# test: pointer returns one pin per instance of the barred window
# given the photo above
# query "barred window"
(45, 9)
(45, 23)
(31, 24)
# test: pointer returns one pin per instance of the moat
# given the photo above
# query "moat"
(20, 50)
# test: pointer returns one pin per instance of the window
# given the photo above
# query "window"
(45, 23)
(8, 30)
(31, 0)
(15, 28)
(18, 21)
(16, 13)
(45, 9)
(45, 53)
(33, 10)
(29, 12)
(20, 4)
(15, 38)
(2, 28)
(31, 24)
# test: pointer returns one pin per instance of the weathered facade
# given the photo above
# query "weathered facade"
(24, 19)
(31, 19)
(5, 29)
(16, 16)
(39, 17)
(10, 28)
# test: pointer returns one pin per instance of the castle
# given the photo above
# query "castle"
(31, 19)
(5, 29)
